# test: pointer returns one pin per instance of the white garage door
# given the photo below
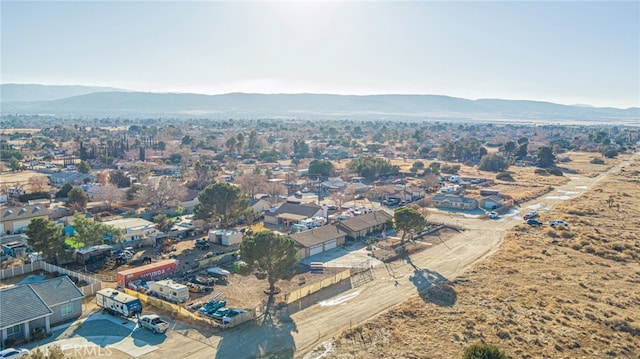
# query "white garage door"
(489, 204)
(1, 229)
(21, 225)
(317, 249)
(329, 245)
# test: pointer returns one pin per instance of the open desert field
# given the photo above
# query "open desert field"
(546, 293)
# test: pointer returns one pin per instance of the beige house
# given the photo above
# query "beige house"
(318, 240)
(360, 226)
(454, 202)
(15, 219)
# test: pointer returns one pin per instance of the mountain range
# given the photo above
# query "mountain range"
(106, 101)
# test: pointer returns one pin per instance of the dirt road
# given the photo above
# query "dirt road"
(296, 334)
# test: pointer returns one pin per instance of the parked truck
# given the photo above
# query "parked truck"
(154, 323)
(118, 303)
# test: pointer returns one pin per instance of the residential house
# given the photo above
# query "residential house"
(360, 226)
(454, 202)
(59, 179)
(62, 296)
(136, 231)
(37, 306)
(291, 212)
(318, 240)
(15, 219)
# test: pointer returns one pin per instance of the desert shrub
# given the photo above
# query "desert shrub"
(567, 235)
(589, 249)
(450, 169)
(597, 161)
(551, 233)
(541, 171)
(483, 351)
(555, 171)
(505, 176)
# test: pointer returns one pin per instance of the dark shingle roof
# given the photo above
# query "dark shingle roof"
(318, 235)
(20, 304)
(365, 221)
(57, 290)
(306, 210)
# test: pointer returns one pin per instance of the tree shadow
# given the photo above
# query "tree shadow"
(269, 336)
(432, 286)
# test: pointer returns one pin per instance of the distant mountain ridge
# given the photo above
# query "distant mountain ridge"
(35, 92)
(106, 101)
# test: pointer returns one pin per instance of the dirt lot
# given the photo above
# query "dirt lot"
(546, 293)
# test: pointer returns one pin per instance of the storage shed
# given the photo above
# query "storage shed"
(226, 237)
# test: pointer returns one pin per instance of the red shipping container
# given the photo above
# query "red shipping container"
(160, 269)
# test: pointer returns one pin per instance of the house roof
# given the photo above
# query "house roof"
(318, 235)
(129, 223)
(453, 198)
(21, 304)
(307, 210)
(69, 177)
(57, 290)
(493, 198)
(368, 220)
(16, 213)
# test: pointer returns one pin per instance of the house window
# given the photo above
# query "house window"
(66, 309)
(13, 330)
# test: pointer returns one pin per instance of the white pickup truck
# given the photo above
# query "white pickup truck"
(153, 323)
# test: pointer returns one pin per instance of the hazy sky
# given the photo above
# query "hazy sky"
(562, 51)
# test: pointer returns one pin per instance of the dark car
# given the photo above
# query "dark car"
(534, 222)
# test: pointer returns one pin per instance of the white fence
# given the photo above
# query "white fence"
(90, 288)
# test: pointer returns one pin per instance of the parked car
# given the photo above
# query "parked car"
(534, 222)
(202, 244)
(12, 353)
(494, 215)
(153, 323)
(558, 223)
(530, 215)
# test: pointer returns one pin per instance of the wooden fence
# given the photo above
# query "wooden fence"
(314, 287)
(90, 288)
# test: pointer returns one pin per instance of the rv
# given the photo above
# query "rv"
(170, 290)
(118, 303)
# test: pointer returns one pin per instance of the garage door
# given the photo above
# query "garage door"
(317, 249)
(489, 205)
(329, 245)
(21, 225)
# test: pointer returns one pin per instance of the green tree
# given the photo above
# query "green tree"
(493, 162)
(64, 191)
(46, 237)
(14, 163)
(407, 219)
(546, 158)
(77, 199)
(90, 232)
(163, 223)
(119, 179)
(272, 254)
(522, 151)
(300, 148)
(370, 167)
(84, 167)
(321, 168)
(483, 351)
(221, 201)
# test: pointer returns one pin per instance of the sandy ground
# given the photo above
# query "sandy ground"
(545, 293)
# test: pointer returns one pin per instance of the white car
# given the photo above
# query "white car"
(558, 223)
(12, 353)
(493, 215)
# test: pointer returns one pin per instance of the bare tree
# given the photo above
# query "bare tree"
(274, 190)
(39, 183)
(108, 194)
(252, 182)
(164, 192)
